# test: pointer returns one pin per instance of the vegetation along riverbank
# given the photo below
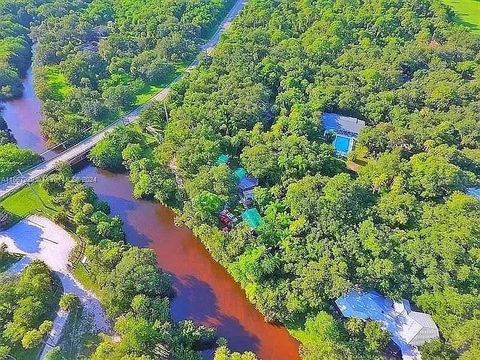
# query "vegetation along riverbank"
(323, 149)
(402, 224)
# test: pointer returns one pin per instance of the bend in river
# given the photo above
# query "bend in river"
(206, 293)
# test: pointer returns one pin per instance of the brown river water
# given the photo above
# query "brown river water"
(205, 292)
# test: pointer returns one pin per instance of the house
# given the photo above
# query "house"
(344, 128)
(409, 329)
(246, 186)
(252, 217)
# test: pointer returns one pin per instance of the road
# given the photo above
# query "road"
(15, 183)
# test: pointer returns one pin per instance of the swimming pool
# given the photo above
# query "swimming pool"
(342, 144)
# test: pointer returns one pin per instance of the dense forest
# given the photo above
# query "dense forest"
(94, 60)
(401, 223)
(26, 302)
(96, 63)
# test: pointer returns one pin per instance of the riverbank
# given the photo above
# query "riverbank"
(38, 238)
(205, 292)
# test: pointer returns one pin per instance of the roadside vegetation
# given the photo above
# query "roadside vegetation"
(402, 225)
(97, 63)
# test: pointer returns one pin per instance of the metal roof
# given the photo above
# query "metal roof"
(252, 217)
(342, 124)
(408, 328)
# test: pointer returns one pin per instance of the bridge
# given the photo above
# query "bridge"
(82, 148)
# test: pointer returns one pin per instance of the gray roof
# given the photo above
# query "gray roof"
(342, 124)
(428, 331)
(408, 328)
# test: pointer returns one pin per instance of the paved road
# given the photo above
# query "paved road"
(15, 183)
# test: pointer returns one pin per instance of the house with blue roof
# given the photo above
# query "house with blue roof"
(409, 329)
(345, 130)
(246, 186)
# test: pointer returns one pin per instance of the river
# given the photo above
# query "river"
(205, 292)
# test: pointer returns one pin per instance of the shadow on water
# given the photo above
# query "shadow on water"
(205, 292)
(193, 294)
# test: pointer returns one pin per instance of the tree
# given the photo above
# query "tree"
(69, 302)
(151, 68)
(54, 354)
(107, 153)
(436, 350)
(136, 273)
(376, 338)
(14, 158)
(84, 65)
(120, 97)
(324, 339)
(207, 206)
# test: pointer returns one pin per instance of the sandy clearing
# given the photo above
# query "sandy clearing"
(40, 238)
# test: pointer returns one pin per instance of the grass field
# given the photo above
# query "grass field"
(28, 200)
(467, 13)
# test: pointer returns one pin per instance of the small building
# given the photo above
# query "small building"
(246, 186)
(409, 329)
(252, 217)
(227, 219)
(240, 173)
(222, 159)
(344, 128)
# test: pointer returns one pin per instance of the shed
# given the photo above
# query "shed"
(345, 129)
(240, 173)
(247, 183)
(252, 217)
(222, 159)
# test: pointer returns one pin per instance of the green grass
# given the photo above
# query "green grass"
(57, 82)
(467, 13)
(149, 90)
(81, 274)
(28, 200)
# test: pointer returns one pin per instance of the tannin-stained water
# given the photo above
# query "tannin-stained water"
(205, 292)
(23, 117)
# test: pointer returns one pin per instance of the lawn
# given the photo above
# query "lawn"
(83, 276)
(28, 200)
(467, 13)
